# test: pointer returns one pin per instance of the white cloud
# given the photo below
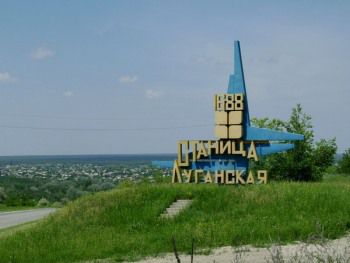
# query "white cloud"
(128, 79)
(152, 94)
(42, 53)
(68, 93)
(6, 77)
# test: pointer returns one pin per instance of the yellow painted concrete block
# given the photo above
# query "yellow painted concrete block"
(235, 117)
(221, 131)
(235, 131)
(220, 118)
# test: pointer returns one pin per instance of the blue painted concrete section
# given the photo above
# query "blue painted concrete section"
(220, 162)
(261, 134)
(262, 150)
(236, 82)
(237, 85)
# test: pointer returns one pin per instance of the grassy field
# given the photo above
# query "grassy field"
(124, 223)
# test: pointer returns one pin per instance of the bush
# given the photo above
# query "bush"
(74, 193)
(57, 205)
(64, 200)
(344, 163)
(43, 202)
(308, 161)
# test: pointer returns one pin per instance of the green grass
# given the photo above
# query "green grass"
(4, 232)
(124, 223)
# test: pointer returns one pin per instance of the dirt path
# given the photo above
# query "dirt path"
(336, 249)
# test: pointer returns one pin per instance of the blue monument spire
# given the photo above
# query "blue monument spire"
(237, 82)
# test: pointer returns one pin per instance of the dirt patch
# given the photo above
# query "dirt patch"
(330, 251)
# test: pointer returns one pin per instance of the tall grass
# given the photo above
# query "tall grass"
(124, 223)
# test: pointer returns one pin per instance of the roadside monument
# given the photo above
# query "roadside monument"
(225, 160)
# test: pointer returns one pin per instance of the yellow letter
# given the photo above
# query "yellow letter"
(262, 176)
(176, 173)
(208, 178)
(241, 150)
(250, 179)
(252, 151)
(179, 153)
(239, 179)
(188, 174)
(226, 147)
(196, 173)
(201, 150)
(220, 175)
(230, 177)
(194, 150)
(213, 145)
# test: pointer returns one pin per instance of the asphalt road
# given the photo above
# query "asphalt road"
(8, 219)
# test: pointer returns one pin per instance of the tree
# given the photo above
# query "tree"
(300, 163)
(344, 163)
(308, 160)
(324, 153)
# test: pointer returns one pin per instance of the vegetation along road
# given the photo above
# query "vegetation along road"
(8, 219)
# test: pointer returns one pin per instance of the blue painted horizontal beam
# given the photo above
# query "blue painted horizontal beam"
(273, 148)
(262, 134)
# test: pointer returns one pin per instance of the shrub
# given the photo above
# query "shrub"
(43, 202)
(344, 163)
(57, 205)
(308, 160)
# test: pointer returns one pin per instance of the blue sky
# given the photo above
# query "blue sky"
(95, 77)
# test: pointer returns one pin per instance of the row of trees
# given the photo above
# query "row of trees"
(31, 192)
(309, 160)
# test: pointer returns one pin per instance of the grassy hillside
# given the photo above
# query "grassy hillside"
(124, 223)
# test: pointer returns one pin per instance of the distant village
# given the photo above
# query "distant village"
(63, 172)
(56, 183)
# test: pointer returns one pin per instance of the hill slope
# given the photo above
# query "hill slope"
(124, 223)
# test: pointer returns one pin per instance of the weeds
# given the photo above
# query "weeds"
(317, 249)
(239, 254)
(124, 224)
